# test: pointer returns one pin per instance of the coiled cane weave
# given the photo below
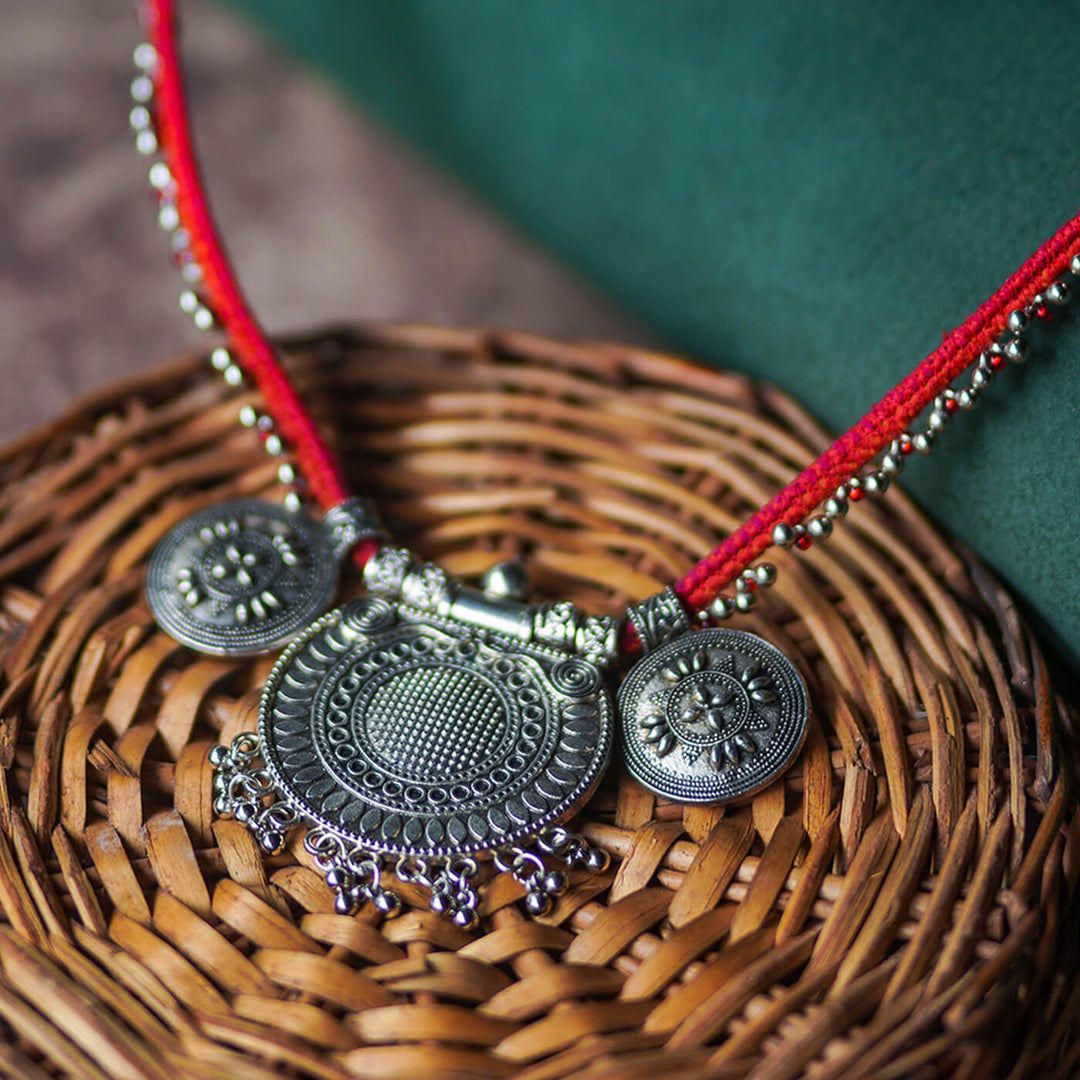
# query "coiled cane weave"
(899, 904)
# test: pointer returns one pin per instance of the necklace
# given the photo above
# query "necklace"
(430, 724)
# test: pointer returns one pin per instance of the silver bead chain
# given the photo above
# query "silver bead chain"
(1011, 348)
(191, 304)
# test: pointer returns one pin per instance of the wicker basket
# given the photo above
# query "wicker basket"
(899, 904)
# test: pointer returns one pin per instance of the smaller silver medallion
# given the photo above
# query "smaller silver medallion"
(711, 716)
(240, 578)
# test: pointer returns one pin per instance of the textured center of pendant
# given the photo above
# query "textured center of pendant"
(242, 566)
(705, 708)
(432, 724)
(408, 736)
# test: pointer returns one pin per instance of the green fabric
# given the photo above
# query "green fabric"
(812, 193)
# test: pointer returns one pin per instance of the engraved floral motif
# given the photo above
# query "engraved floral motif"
(705, 708)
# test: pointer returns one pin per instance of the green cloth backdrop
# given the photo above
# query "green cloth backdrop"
(812, 193)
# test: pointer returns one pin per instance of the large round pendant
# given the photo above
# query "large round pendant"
(240, 578)
(712, 716)
(408, 735)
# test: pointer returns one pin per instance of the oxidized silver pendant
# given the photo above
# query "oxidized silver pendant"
(245, 576)
(427, 729)
(711, 716)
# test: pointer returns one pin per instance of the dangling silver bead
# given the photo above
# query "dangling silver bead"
(168, 216)
(967, 398)
(723, 607)
(892, 464)
(142, 89)
(981, 378)
(233, 375)
(876, 483)
(1058, 293)
(145, 56)
(1074, 266)
(286, 474)
(923, 442)
(140, 118)
(765, 574)
(203, 318)
(1017, 321)
(273, 445)
(1016, 350)
(160, 176)
(745, 602)
(836, 506)
(248, 416)
(784, 535)
(819, 527)
(146, 142)
(938, 420)
(189, 302)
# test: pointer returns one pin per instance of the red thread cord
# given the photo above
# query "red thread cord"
(885, 421)
(247, 341)
(850, 453)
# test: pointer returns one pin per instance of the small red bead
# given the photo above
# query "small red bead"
(803, 542)
(907, 446)
(951, 405)
(997, 361)
(1044, 313)
(749, 585)
(856, 494)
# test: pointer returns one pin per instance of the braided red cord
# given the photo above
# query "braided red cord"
(887, 420)
(247, 341)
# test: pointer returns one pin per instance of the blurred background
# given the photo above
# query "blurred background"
(326, 217)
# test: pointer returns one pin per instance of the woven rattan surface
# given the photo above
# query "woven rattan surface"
(899, 904)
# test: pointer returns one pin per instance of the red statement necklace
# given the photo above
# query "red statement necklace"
(432, 725)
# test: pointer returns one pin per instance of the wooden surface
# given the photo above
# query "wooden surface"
(899, 904)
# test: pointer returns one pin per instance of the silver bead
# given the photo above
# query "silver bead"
(160, 176)
(286, 474)
(168, 217)
(293, 503)
(189, 302)
(1058, 293)
(248, 416)
(508, 580)
(145, 56)
(233, 375)
(876, 483)
(180, 242)
(146, 143)
(783, 535)
(981, 378)
(1016, 350)
(139, 118)
(836, 506)
(219, 755)
(723, 607)
(1074, 266)
(819, 527)
(273, 445)
(191, 272)
(938, 420)
(1017, 321)
(968, 398)
(142, 88)
(923, 442)
(203, 318)
(892, 464)
(765, 574)
(745, 602)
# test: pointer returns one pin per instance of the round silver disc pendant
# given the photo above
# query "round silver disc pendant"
(407, 734)
(240, 578)
(711, 716)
